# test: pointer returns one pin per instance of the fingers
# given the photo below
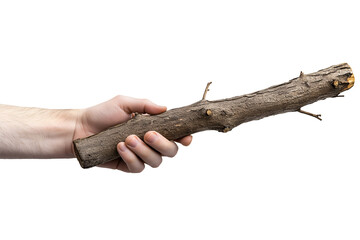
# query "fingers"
(144, 152)
(185, 140)
(118, 164)
(135, 153)
(131, 105)
(133, 163)
(161, 144)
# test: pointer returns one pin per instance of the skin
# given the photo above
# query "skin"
(48, 133)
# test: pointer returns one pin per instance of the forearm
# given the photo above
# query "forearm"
(36, 133)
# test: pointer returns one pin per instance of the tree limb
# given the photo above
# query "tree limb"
(221, 115)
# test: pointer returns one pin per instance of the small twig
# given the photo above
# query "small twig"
(317, 116)
(206, 90)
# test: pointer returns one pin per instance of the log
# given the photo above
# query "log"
(221, 115)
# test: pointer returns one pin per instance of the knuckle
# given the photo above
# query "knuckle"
(171, 155)
(146, 101)
(138, 170)
(156, 164)
(118, 98)
(128, 160)
(174, 151)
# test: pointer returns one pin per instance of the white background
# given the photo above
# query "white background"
(284, 177)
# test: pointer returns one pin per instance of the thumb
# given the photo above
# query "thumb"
(131, 105)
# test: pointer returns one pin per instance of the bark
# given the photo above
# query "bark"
(221, 115)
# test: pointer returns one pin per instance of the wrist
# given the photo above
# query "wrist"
(53, 134)
(61, 130)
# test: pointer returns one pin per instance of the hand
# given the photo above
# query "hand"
(134, 152)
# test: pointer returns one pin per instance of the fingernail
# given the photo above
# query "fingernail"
(132, 141)
(163, 108)
(122, 147)
(151, 137)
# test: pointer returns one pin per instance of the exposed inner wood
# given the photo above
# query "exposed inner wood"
(221, 115)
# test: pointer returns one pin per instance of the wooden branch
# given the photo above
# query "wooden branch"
(221, 115)
(317, 116)
(206, 90)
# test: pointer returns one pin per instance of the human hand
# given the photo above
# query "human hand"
(134, 152)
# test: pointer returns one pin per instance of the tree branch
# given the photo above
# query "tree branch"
(317, 116)
(221, 115)
(206, 90)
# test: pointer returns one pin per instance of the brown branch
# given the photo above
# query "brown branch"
(221, 115)
(317, 116)
(206, 90)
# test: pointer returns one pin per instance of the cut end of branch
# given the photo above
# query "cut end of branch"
(351, 82)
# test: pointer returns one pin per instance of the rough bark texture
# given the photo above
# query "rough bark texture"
(221, 115)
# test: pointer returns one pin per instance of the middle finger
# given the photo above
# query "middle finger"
(143, 151)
